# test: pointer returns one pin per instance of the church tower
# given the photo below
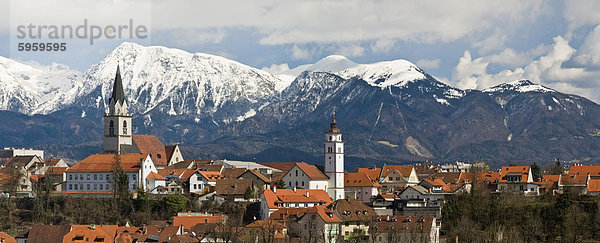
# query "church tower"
(334, 161)
(117, 122)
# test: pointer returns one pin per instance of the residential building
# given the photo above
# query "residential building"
(313, 224)
(383, 204)
(259, 181)
(517, 179)
(334, 161)
(201, 181)
(419, 201)
(94, 173)
(357, 218)
(7, 153)
(188, 220)
(5, 238)
(272, 200)
(235, 189)
(388, 229)
(305, 176)
(361, 187)
(397, 177)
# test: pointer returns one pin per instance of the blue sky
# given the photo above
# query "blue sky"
(468, 44)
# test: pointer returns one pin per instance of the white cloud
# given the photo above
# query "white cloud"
(429, 64)
(548, 70)
(581, 12)
(493, 42)
(588, 54)
(299, 53)
(350, 50)
(382, 45)
(276, 69)
(511, 59)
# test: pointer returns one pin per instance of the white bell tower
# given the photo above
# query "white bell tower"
(334, 161)
(117, 122)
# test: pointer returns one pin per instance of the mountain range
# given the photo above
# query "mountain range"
(389, 112)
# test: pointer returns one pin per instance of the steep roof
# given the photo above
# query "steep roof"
(312, 171)
(438, 183)
(20, 160)
(189, 221)
(162, 233)
(285, 214)
(372, 172)
(514, 170)
(404, 170)
(4, 237)
(45, 233)
(56, 170)
(352, 210)
(593, 185)
(257, 174)
(105, 162)
(482, 177)
(297, 196)
(117, 92)
(169, 150)
(449, 177)
(326, 214)
(333, 128)
(359, 179)
(584, 170)
(150, 144)
(155, 176)
(52, 162)
(93, 233)
(233, 172)
(232, 186)
(211, 175)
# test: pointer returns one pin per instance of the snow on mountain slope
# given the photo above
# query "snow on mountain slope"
(383, 74)
(520, 86)
(189, 83)
(24, 87)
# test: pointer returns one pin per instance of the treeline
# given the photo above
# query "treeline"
(494, 217)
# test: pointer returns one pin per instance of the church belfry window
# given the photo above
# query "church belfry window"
(111, 128)
(124, 127)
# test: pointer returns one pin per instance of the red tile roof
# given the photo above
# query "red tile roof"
(359, 179)
(372, 172)
(485, 177)
(150, 144)
(258, 175)
(51, 162)
(514, 170)
(583, 170)
(189, 221)
(4, 237)
(232, 187)
(326, 214)
(91, 233)
(233, 173)
(312, 171)
(299, 196)
(438, 182)
(56, 170)
(155, 176)
(169, 150)
(593, 185)
(105, 162)
(211, 175)
(404, 170)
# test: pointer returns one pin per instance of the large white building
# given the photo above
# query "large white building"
(305, 176)
(334, 161)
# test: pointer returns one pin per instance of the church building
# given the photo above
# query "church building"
(119, 137)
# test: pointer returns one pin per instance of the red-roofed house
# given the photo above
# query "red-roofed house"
(5, 238)
(200, 181)
(264, 231)
(271, 200)
(94, 173)
(397, 177)
(361, 186)
(189, 221)
(517, 179)
(305, 176)
(314, 224)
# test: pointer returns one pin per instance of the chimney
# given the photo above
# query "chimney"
(306, 193)
(294, 189)
(93, 227)
(274, 189)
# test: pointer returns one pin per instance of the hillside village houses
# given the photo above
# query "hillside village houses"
(383, 204)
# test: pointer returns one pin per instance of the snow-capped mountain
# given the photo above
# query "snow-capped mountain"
(174, 82)
(390, 111)
(26, 87)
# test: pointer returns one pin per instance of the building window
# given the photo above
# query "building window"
(107, 177)
(95, 187)
(88, 177)
(95, 177)
(195, 187)
(70, 187)
(101, 177)
(70, 177)
(124, 127)
(88, 187)
(111, 128)
(302, 183)
(101, 187)
(296, 172)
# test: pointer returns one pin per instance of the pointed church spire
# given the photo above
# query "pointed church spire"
(117, 92)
